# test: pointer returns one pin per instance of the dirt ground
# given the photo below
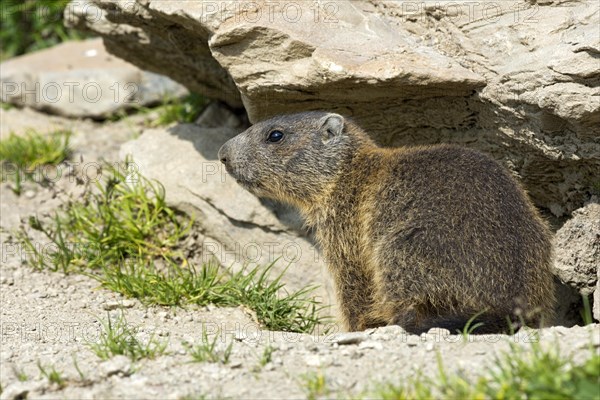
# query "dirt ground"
(50, 319)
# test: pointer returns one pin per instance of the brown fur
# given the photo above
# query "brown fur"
(418, 236)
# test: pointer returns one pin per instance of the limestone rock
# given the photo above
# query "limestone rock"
(80, 79)
(517, 80)
(577, 247)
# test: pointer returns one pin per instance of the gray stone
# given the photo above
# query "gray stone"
(349, 338)
(118, 365)
(515, 80)
(217, 116)
(370, 344)
(577, 247)
(577, 254)
(80, 79)
(21, 390)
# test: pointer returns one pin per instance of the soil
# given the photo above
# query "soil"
(50, 319)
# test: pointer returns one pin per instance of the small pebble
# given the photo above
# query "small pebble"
(111, 305)
(349, 338)
(117, 365)
(313, 360)
(371, 344)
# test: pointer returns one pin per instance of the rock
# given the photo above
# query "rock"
(517, 81)
(21, 390)
(370, 344)
(577, 252)
(349, 338)
(216, 115)
(187, 58)
(313, 360)
(80, 79)
(577, 248)
(238, 227)
(117, 365)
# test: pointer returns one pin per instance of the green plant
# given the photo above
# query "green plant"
(117, 338)
(267, 355)
(586, 312)
(536, 373)
(184, 110)
(23, 156)
(470, 327)
(119, 230)
(183, 284)
(76, 365)
(20, 374)
(208, 351)
(122, 216)
(52, 375)
(29, 25)
(315, 385)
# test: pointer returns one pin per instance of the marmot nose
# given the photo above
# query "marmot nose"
(223, 154)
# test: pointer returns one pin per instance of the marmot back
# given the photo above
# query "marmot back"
(419, 236)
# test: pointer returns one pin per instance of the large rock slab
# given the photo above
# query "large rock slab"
(577, 258)
(518, 80)
(80, 79)
(239, 229)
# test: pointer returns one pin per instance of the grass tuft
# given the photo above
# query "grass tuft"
(52, 375)
(267, 355)
(123, 234)
(315, 385)
(20, 374)
(517, 374)
(121, 216)
(184, 110)
(23, 156)
(183, 284)
(209, 351)
(118, 338)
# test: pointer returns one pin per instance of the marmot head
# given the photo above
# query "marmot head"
(294, 158)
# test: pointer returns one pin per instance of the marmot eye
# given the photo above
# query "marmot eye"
(275, 136)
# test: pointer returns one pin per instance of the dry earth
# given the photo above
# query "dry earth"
(50, 319)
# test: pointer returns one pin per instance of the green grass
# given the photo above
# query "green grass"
(533, 373)
(122, 227)
(23, 157)
(315, 385)
(267, 355)
(20, 374)
(184, 110)
(52, 375)
(209, 351)
(181, 284)
(29, 25)
(121, 216)
(118, 338)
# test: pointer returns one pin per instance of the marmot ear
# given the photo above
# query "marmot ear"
(332, 125)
